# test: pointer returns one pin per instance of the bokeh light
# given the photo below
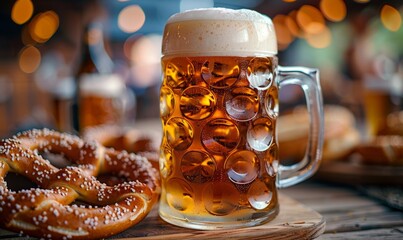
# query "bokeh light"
(94, 36)
(145, 56)
(146, 50)
(29, 59)
(391, 18)
(322, 39)
(284, 35)
(128, 45)
(333, 10)
(310, 19)
(44, 26)
(292, 25)
(22, 11)
(131, 18)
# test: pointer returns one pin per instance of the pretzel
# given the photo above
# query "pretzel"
(51, 211)
(382, 150)
(128, 139)
(120, 138)
(340, 137)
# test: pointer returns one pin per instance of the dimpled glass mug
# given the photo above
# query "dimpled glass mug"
(218, 105)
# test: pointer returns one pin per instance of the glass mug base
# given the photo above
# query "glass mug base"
(211, 222)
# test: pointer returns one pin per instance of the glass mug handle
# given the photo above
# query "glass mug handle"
(308, 80)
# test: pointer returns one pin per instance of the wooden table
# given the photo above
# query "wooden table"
(349, 213)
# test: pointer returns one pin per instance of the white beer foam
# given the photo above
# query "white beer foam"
(103, 85)
(220, 32)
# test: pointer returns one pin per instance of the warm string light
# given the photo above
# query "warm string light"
(391, 18)
(29, 59)
(94, 36)
(321, 39)
(145, 56)
(39, 30)
(310, 19)
(307, 22)
(291, 23)
(284, 35)
(333, 10)
(44, 26)
(131, 18)
(22, 11)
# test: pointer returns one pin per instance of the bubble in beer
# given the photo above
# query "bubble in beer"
(220, 198)
(259, 195)
(242, 167)
(167, 102)
(220, 135)
(271, 102)
(220, 75)
(261, 76)
(166, 162)
(197, 167)
(197, 103)
(270, 170)
(271, 159)
(179, 133)
(179, 194)
(260, 134)
(275, 165)
(242, 103)
(179, 74)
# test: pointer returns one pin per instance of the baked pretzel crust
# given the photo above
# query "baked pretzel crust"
(52, 209)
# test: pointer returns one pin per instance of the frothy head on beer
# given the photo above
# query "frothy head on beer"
(102, 85)
(219, 32)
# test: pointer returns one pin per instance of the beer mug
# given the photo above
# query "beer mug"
(218, 105)
(383, 98)
(102, 100)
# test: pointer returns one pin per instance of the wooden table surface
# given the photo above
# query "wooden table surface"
(349, 213)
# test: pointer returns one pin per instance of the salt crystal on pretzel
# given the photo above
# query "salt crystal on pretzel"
(46, 211)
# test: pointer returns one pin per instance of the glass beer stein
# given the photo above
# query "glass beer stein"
(218, 105)
(102, 99)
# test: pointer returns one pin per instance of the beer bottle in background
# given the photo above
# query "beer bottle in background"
(94, 59)
(99, 91)
(86, 66)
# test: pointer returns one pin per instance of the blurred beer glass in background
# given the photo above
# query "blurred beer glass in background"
(383, 99)
(102, 97)
(61, 99)
(102, 100)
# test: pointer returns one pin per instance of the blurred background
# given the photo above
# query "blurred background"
(47, 46)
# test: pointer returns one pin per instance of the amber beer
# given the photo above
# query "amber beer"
(100, 100)
(218, 107)
(381, 98)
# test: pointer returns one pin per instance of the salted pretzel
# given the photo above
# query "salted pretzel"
(121, 138)
(384, 150)
(128, 139)
(53, 210)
